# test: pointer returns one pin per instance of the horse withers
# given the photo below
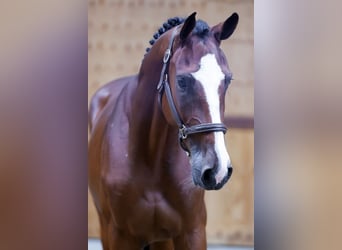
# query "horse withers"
(157, 140)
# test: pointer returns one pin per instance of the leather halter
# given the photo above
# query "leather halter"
(183, 130)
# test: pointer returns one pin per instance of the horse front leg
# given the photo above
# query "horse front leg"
(114, 239)
(193, 240)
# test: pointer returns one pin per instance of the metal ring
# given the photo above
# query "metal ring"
(182, 133)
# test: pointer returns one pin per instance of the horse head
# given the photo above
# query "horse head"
(197, 75)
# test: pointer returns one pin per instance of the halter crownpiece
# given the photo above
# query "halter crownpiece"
(183, 130)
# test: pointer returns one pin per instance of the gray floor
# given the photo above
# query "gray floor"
(95, 244)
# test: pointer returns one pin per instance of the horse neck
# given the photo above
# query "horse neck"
(153, 139)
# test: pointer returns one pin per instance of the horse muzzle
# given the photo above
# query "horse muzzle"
(210, 176)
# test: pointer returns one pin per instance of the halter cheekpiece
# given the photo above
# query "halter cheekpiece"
(183, 130)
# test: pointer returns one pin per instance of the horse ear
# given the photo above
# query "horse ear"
(224, 30)
(188, 26)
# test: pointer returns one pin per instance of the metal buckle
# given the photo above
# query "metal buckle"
(182, 133)
(167, 55)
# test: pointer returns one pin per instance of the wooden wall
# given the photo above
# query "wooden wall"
(119, 32)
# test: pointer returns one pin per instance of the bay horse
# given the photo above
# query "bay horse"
(157, 140)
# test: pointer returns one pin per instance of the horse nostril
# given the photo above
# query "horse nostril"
(230, 172)
(207, 176)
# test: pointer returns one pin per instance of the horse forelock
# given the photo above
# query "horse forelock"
(201, 29)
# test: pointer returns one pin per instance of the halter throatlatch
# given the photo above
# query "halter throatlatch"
(163, 85)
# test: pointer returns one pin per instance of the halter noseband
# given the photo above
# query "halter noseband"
(183, 131)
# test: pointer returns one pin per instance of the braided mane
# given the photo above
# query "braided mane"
(201, 29)
(169, 24)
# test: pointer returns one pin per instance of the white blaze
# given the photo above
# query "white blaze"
(210, 76)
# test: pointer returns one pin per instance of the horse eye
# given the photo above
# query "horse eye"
(183, 82)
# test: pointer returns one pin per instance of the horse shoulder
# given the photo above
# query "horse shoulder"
(110, 91)
(108, 125)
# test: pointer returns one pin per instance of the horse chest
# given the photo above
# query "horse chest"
(151, 216)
